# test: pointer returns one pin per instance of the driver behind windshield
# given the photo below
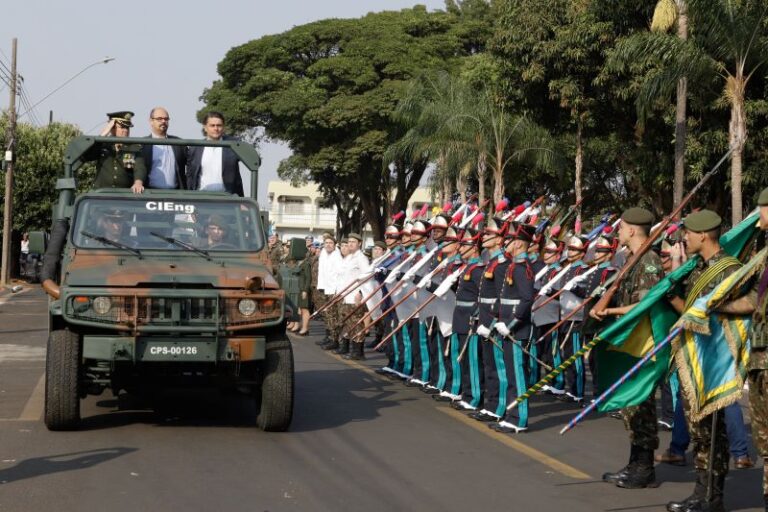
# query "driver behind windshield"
(216, 230)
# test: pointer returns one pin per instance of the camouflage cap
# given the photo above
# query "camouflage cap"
(762, 199)
(638, 217)
(355, 236)
(123, 118)
(380, 244)
(702, 221)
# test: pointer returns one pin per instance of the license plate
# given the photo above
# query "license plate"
(152, 350)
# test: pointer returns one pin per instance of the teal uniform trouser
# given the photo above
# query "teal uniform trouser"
(472, 370)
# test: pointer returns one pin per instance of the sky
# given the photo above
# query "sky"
(165, 51)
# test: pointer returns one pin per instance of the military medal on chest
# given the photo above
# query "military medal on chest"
(128, 160)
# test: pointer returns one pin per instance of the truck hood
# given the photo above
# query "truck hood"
(129, 272)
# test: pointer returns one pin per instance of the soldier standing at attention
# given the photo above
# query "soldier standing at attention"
(639, 420)
(756, 302)
(514, 325)
(118, 165)
(495, 378)
(275, 251)
(702, 232)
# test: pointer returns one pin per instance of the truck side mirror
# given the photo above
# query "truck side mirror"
(38, 241)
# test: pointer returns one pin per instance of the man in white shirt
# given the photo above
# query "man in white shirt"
(353, 266)
(214, 169)
(328, 259)
(166, 164)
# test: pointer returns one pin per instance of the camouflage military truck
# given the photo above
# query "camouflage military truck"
(165, 289)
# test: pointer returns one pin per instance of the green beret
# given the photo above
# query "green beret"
(702, 221)
(762, 199)
(638, 217)
(123, 117)
(380, 244)
(355, 236)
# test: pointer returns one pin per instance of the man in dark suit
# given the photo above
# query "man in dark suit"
(166, 164)
(213, 169)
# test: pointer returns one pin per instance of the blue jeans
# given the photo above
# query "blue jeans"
(734, 424)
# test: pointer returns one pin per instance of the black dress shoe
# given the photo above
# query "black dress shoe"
(430, 390)
(442, 398)
(413, 384)
(482, 416)
(456, 404)
(382, 371)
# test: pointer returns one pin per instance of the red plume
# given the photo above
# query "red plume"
(608, 230)
(533, 219)
(671, 229)
(471, 208)
(555, 230)
(447, 207)
(502, 205)
(518, 210)
(457, 217)
(396, 217)
(477, 219)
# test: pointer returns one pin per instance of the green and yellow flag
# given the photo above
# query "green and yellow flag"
(634, 334)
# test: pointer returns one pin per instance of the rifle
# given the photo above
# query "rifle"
(608, 295)
(415, 312)
(340, 296)
(367, 298)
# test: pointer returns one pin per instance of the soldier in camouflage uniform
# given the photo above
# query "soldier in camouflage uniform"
(275, 252)
(118, 165)
(639, 420)
(758, 360)
(702, 232)
(333, 316)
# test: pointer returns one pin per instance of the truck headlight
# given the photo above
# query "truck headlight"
(247, 307)
(101, 305)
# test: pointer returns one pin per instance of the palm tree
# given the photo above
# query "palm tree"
(665, 16)
(729, 41)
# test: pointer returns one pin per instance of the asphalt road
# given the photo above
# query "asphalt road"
(358, 442)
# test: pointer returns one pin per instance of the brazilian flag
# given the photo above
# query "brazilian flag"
(648, 323)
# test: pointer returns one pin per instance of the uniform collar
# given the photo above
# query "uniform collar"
(520, 257)
(475, 261)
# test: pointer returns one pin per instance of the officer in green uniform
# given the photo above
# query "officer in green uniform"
(702, 232)
(639, 420)
(118, 165)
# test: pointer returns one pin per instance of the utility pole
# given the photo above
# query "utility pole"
(5, 269)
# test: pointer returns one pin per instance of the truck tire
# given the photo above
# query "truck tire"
(276, 390)
(62, 380)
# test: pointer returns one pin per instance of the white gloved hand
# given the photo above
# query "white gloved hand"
(483, 331)
(443, 288)
(502, 328)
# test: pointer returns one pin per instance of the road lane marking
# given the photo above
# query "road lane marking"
(13, 352)
(33, 410)
(505, 439)
(533, 453)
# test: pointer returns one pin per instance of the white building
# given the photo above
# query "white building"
(301, 211)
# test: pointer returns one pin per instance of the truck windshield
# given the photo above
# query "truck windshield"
(207, 224)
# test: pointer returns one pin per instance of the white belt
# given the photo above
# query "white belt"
(464, 304)
(510, 302)
(488, 301)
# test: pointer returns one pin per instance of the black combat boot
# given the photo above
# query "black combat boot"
(697, 500)
(325, 340)
(613, 478)
(641, 474)
(356, 351)
(331, 345)
(343, 346)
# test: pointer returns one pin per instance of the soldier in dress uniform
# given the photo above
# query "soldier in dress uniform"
(494, 379)
(395, 348)
(537, 264)
(569, 335)
(118, 165)
(463, 319)
(420, 236)
(544, 317)
(515, 328)
(605, 248)
(639, 420)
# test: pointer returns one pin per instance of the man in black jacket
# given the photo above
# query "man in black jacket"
(165, 164)
(213, 169)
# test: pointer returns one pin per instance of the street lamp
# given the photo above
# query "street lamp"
(86, 68)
